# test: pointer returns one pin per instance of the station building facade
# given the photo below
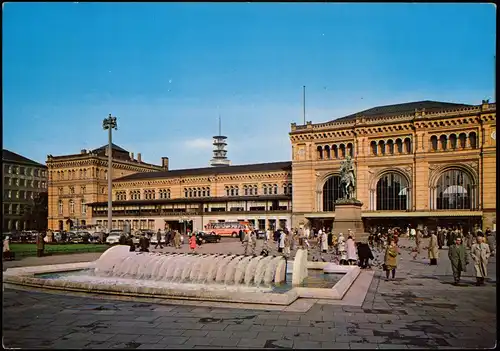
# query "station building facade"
(420, 163)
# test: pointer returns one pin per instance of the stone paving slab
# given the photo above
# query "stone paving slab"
(420, 309)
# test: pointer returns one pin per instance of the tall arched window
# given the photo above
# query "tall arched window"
(60, 207)
(84, 207)
(327, 152)
(320, 152)
(473, 140)
(443, 140)
(71, 206)
(434, 143)
(350, 150)
(264, 189)
(453, 141)
(399, 146)
(392, 192)
(331, 192)
(454, 191)
(390, 147)
(462, 138)
(407, 145)
(245, 190)
(342, 150)
(335, 151)
(373, 146)
(275, 189)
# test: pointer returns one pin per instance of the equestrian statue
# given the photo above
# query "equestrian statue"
(347, 178)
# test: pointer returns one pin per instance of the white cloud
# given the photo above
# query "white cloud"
(198, 143)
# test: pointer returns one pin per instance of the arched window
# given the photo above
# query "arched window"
(399, 146)
(227, 191)
(381, 147)
(331, 193)
(327, 152)
(454, 191)
(373, 146)
(462, 138)
(84, 207)
(342, 151)
(443, 140)
(199, 192)
(390, 147)
(453, 141)
(264, 189)
(186, 193)
(208, 192)
(434, 143)
(245, 190)
(473, 140)
(320, 152)
(61, 207)
(236, 191)
(335, 150)
(81, 173)
(392, 192)
(71, 206)
(275, 189)
(407, 145)
(84, 174)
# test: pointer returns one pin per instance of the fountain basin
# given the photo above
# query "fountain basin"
(73, 279)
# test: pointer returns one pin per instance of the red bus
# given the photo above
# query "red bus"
(228, 228)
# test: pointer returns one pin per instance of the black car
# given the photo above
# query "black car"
(202, 238)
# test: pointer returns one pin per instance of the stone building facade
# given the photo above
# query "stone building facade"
(192, 198)
(421, 163)
(23, 180)
(80, 179)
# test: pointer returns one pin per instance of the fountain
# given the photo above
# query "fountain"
(207, 277)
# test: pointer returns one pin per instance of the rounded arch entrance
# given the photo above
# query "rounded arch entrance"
(454, 188)
(391, 192)
(331, 192)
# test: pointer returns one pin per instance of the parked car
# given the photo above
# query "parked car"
(202, 238)
(113, 238)
(261, 234)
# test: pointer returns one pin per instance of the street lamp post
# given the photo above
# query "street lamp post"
(110, 124)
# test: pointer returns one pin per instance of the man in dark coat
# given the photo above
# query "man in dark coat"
(143, 243)
(365, 255)
(241, 234)
(440, 236)
(130, 242)
(451, 238)
(458, 259)
(158, 238)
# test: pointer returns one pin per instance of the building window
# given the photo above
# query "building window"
(84, 174)
(23, 194)
(72, 190)
(434, 143)
(208, 192)
(32, 195)
(331, 193)
(17, 181)
(84, 207)
(83, 190)
(9, 194)
(71, 206)
(103, 190)
(228, 191)
(60, 191)
(392, 193)
(9, 169)
(29, 194)
(61, 207)
(264, 189)
(16, 194)
(10, 181)
(455, 191)
(275, 189)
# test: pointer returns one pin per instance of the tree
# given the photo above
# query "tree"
(37, 211)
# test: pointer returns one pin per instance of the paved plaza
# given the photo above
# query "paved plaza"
(419, 309)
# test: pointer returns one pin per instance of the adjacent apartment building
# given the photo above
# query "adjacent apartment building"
(23, 180)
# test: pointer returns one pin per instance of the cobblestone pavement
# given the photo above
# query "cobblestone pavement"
(419, 309)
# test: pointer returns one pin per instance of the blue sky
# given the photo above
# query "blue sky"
(166, 70)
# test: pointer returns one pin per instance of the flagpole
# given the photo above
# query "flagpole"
(304, 103)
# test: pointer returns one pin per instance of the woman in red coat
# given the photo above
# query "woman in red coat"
(192, 242)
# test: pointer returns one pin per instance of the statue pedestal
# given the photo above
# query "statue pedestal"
(348, 216)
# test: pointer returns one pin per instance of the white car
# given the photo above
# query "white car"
(113, 238)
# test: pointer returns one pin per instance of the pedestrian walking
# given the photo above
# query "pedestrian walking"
(391, 259)
(324, 242)
(192, 242)
(480, 253)
(440, 238)
(281, 242)
(352, 257)
(365, 255)
(177, 239)
(143, 243)
(433, 250)
(491, 241)
(40, 244)
(418, 242)
(458, 259)
(158, 238)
